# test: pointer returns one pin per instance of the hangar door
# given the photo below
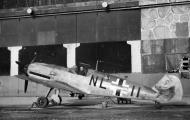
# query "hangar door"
(4, 61)
(112, 57)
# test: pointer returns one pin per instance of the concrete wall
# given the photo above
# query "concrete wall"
(165, 31)
(12, 86)
(156, 23)
(71, 28)
(164, 22)
(7, 4)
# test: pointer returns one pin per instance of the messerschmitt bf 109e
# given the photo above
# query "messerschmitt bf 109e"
(168, 89)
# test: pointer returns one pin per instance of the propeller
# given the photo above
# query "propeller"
(25, 86)
(24, 68)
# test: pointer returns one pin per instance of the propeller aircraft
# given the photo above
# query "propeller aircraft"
(168, 89)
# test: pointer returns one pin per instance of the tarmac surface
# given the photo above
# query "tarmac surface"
(73, 111)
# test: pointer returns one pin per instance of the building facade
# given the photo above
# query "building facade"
(141, 36)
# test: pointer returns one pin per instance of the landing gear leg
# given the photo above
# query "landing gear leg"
(56, 98)
(49, 92)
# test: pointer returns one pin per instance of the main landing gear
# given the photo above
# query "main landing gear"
(43, 101)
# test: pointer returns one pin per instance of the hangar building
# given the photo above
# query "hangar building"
(143, 37)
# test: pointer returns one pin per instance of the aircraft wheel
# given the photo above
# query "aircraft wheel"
(42, 102)
(80, 96)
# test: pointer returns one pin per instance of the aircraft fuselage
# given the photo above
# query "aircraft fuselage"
(95, 83)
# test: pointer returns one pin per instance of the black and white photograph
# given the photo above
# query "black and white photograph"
(94, 59)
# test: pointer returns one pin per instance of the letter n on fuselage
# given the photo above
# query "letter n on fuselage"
(93, 80)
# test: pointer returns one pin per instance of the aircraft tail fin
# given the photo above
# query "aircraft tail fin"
(169, 88)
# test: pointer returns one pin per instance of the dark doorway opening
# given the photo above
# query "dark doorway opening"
(4, 61)
(109, 57)
(50, 54)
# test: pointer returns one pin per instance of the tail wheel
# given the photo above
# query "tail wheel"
(42, 102)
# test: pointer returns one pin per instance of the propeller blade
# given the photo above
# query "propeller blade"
(34, 58)
(18, 62)
(23, 67)
(25, 86)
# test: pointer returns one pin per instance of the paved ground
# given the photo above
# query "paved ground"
(18, 108)
(95, 112)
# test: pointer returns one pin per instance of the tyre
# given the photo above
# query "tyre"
(42, 102)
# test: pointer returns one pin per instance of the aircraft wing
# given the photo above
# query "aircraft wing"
(51, 84)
